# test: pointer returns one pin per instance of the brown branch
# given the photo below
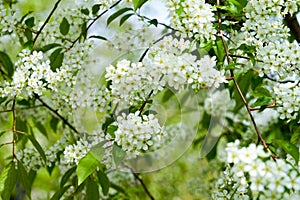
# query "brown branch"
(292, 23)
(65, 121)
(46, 21)
(260, 138)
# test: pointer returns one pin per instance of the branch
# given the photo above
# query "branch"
(57, 114)
(260, 138)
(278, 81)
(91, 24)
(149, 20)
(46, 22)
(292, 23)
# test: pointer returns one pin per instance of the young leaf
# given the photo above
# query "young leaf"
(104, 181)
(30, 22)
(117, 14)
(288, 147)
(86, 166)
(66, 176)
(64, 26)
(8, 179)
(138, 4)
(92, 190)
(85, 11)
(6, 63)
(24, 179)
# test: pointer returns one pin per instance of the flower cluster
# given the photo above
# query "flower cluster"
(33, 75)
(288, 100)
(136, 133)
(250, 173)
(192, 18)
(168, 63)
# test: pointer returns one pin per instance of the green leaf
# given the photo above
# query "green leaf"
(262, 92)
(64, 26)
(153, 22)
(104, 181)
(49, 47)
(219, 50)
(85, 11)
(56, 59)
(262, 101)
(118, 155)
(92, 190)
(117, 14)
(53, 123)
(6, 63)
(138, 4)
(41, 128)
(84, 30)
(8, 179)
(86, 166)
(95, 9)
(66, 176)
(37, 146)
(59, 193)
(30, 22)
(28, 34)
(97, 151)
(98, 37)
(125, 18)
(288, 147)
(24, 179)
(111, 130)
(296, 135)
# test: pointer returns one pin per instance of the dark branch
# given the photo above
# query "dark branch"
(46, 22)
(292, 23)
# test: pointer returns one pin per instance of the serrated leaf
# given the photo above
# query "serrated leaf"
(59, 193)
(98, 37)
(64, 26)
(117, 14)
(125, 18)
(118, 155)
(92, 190)
(6, 64)
(8, 179)
(86, 166)
(104, 181)
(24, 179)
(288, 147)
(56, 59)
(66, 176)
(95, 9)
(30, 22)
(37, 146)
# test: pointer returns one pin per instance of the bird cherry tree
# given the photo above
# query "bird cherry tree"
(220, 76)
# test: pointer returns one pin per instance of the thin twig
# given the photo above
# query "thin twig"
(65, 121)
(278, 81)
(46, 21)
(260, 138)
(91, 24)
(149, 20)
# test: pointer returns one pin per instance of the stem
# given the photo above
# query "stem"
(46, 22)
(57, 114)
(162, 24)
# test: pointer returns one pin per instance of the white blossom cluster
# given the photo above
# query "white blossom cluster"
(7, 21)
(33, 75)
(136, 133)
(168, 63)
(287, 100)
(193, 18)
(251, 173)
